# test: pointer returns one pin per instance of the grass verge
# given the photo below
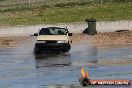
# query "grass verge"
(25, 14)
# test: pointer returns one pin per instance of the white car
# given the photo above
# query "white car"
(53, 39)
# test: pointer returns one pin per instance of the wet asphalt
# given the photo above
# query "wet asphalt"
(20, 68)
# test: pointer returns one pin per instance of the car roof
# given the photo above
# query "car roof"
(55, 28)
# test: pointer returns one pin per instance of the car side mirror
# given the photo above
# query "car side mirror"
(69, 34)
(35, 34)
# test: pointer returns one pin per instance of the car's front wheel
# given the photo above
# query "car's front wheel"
(67, 48)
(36, 51)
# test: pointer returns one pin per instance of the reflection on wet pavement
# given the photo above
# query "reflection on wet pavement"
(52, 60)
(19, 67)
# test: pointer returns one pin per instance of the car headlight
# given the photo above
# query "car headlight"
(61, 41)
(41, 42)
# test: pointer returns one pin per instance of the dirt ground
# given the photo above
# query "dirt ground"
(99, 39)
(104, 38)
(10, 42)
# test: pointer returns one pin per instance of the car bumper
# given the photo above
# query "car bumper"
(64, 47)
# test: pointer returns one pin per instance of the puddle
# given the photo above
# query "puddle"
(52, 60)
(19, 67)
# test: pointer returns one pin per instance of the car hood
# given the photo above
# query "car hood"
(52, 37)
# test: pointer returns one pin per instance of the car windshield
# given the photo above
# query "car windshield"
(53, 31)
